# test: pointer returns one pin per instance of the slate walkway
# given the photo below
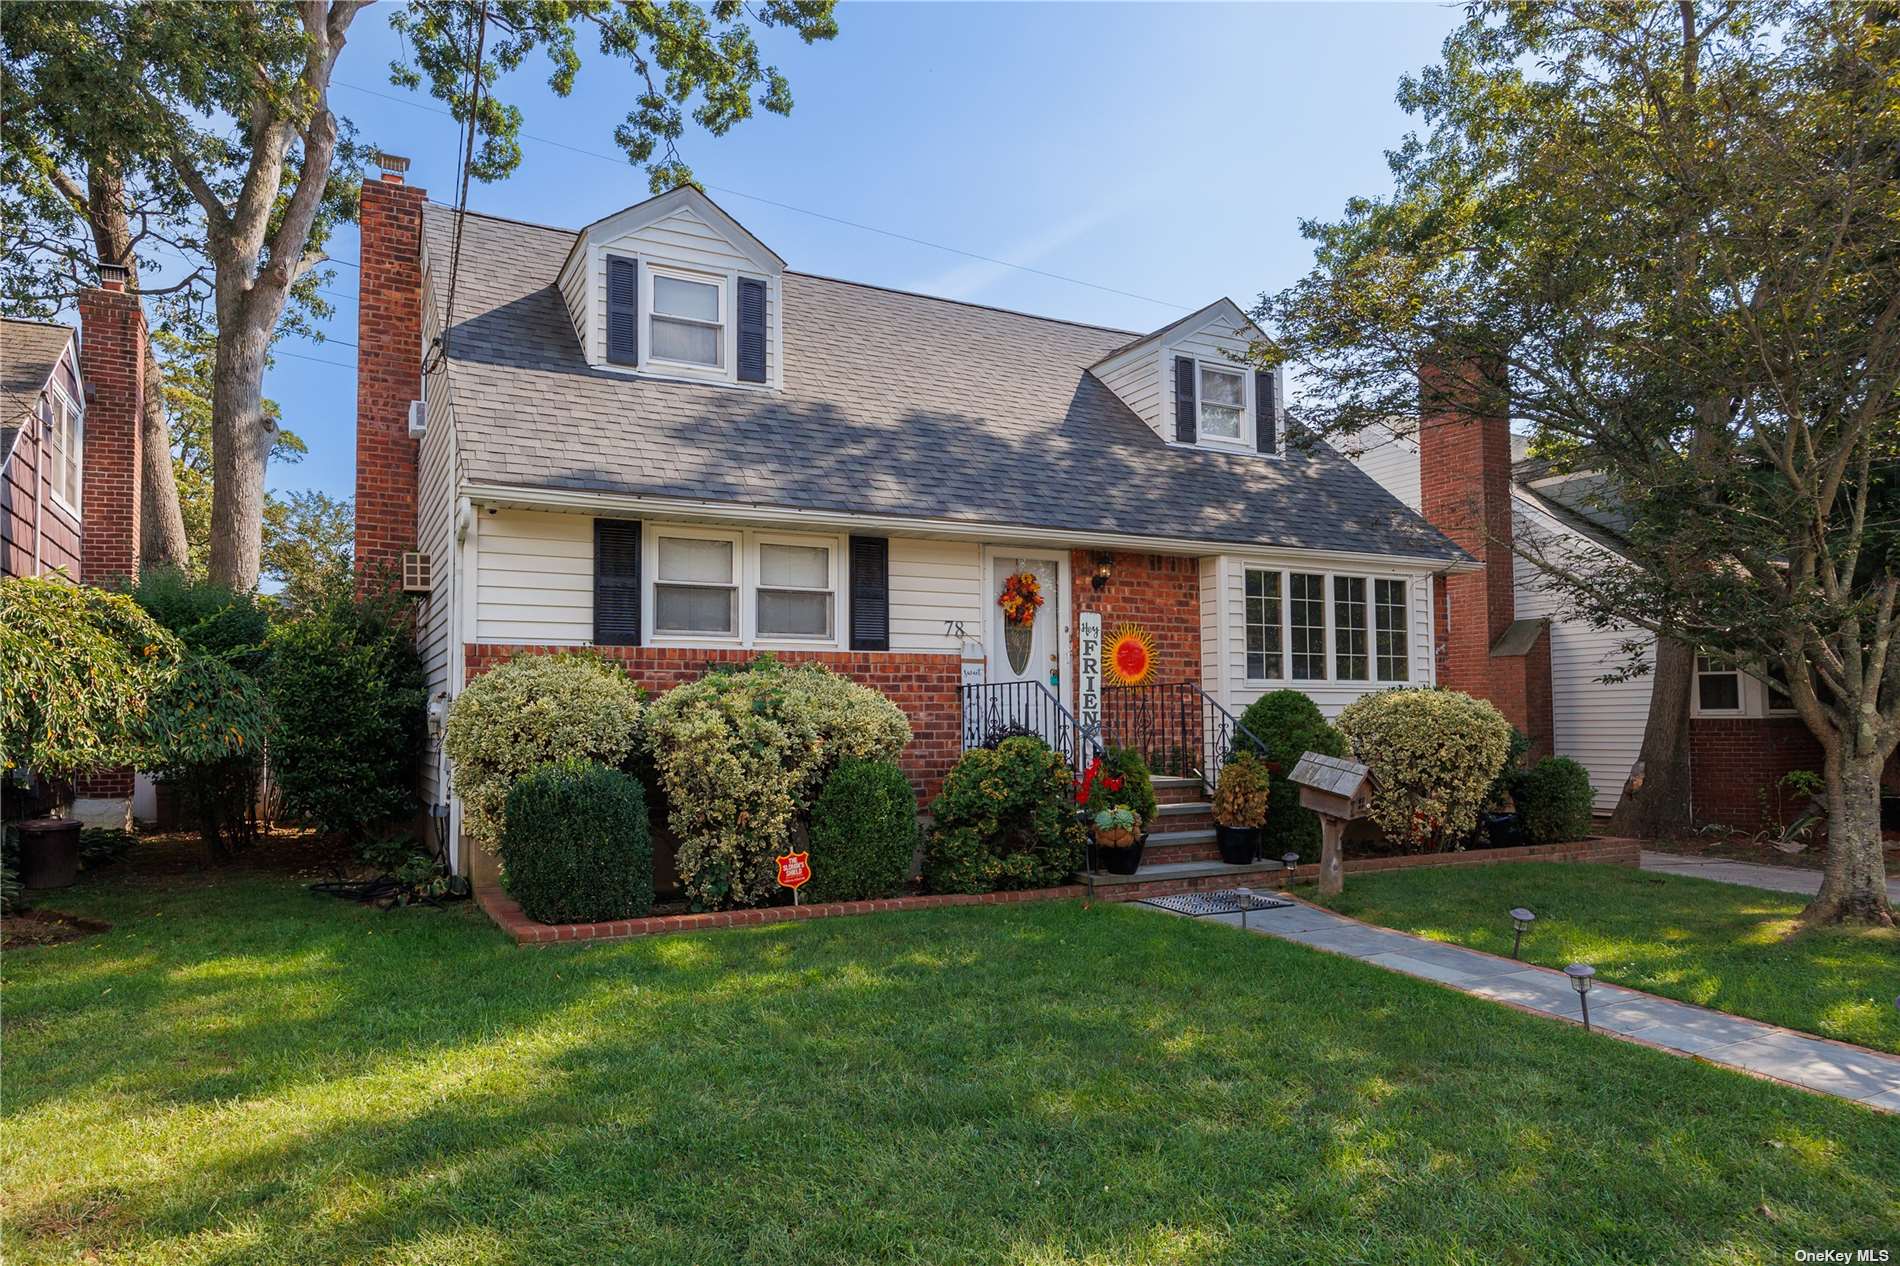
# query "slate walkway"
(1748, 874)
(1834, 1068)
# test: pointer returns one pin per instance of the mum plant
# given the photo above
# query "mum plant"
(1243, 792)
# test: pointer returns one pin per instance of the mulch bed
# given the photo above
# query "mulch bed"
(31, 929)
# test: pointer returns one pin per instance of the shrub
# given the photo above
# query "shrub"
(1244, 792)
(1005, 821)
(576, 848)
(347, 696)
(1290, 725)
(528, 712)
(863, 833)
(1554, 800)
(1434, 754)
(741, 753)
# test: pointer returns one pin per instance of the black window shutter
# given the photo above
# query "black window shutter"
(1266, 409)
(623, 310)
(751, 330)
(870, 593)
(616, 582)
(1185, 415)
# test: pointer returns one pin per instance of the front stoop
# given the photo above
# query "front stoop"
(1157, 879)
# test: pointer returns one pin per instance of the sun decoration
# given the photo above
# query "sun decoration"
(1022, 594)
(1131, 656)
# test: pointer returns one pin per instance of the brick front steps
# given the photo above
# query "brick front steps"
(1153, 880)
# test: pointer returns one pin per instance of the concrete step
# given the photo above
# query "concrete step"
(1156, 879)
(1189, 815)
(1173, 790)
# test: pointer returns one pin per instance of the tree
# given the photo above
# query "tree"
(1667, 237)
(308, 543)
(231, 104)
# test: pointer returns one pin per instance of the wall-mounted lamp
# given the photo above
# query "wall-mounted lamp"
(1104, 568)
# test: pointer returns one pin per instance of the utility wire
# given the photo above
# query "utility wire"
(439, 348)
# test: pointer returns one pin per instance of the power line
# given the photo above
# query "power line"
(621, 162)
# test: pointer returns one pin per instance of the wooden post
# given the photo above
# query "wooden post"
(1332, 871)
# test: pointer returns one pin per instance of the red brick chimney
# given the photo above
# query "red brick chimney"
(388, 369)
(112, 366)
(1464, 466)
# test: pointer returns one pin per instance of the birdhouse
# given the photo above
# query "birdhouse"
(1332, 787)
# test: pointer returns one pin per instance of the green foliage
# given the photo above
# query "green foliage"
(863, 833)
(1244, 793)
(101, 846)
(1507, 783)
(12, 889)
(1434, 755)
(1554, 800)
(576, 846)
(80, 667)
(1138, 784)
(209, 618)
(740, 754)
(1290, 724)
(529, 712)
(309, 541)
(347, 694)
(1004, 821)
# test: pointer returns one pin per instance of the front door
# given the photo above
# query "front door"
(1018, 661)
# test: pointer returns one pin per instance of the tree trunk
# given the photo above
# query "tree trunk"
(1655, 802)
(241, 439)
(162, 540)
(1854, 885)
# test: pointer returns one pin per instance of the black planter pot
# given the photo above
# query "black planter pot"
(49, 852)
(1118, 861)
(1502, 830)
(1239, 845)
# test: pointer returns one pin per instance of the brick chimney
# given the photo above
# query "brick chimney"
(1464, 466)
(112, 366)
(388, 368)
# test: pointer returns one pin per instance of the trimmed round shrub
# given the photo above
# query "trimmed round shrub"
(863, 833)
(740, 755)
(1554, 800)
(529, 712)
(576, 847)
(1434, 754)
(1005, 821)
(1290, 724)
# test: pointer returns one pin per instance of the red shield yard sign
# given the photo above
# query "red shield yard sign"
(794, 869)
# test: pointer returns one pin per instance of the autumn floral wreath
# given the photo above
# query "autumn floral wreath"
(1022, 595)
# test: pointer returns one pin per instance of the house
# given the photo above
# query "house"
(1744, 735)
(651, 437)
(70, 407)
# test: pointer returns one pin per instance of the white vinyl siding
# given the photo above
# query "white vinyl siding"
(1215, 345)
(934, 584)
(1391, 461)
(536, 575)
(1136, 378)
(573, 284)
(436, 634)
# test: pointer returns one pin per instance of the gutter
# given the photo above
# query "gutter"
(575, 501)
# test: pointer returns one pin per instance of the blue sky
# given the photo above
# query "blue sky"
(1166, 151)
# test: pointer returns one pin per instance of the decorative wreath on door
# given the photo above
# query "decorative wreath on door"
(1022, 595)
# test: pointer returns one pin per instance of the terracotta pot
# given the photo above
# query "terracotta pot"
(49, 852)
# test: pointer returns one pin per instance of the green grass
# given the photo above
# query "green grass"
(242, 1072)
(1721, 945)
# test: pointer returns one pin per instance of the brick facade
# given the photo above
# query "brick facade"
(1158, 592)
(112, 363)
(388, 372)
(924, 686)
(1733, 762)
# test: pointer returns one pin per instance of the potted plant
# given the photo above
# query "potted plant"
(1240, 807)
(1117, 781)
(1116, 832)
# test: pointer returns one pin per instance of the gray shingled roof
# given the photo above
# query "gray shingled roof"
(28, 352)
(893, 404)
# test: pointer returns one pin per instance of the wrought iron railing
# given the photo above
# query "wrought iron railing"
(1177, 727)
(994, 711)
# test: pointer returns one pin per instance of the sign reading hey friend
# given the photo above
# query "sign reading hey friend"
(1088, 696)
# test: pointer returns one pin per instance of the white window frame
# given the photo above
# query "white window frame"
(1404, 630)
(830, 545)
(649, 312)
(1330, 626)
(1325, 625)
(1365, 605)
(71, 418)
(1717, 669)
(1245, 439)
(745, 543)
(1285, 653)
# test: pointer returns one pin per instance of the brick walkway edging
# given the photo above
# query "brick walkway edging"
(509, 916)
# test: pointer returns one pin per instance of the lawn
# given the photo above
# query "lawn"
(1720, 945)
(241, 1072)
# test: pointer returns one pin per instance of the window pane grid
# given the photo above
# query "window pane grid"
(1306, 596)
(1263, 626)
(1394, 659)
(794, 596)
(1349, 627)
(1718, 685)
(1223, 401)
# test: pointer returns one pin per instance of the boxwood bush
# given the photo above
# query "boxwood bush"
(863, 833)
(1290, 724)
(1435, 754)
(1006, 820)
(576, 847)
(1554, 800)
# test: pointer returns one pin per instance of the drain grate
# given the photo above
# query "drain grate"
(1227, 901)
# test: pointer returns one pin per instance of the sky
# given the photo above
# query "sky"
(1162, 153)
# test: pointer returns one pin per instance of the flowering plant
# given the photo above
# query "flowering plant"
(1091, 776)
(1022, 595)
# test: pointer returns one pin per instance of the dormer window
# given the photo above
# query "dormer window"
(1223, 403)
(688, 324)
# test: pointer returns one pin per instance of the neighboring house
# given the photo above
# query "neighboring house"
(652, 438)
(70, 407)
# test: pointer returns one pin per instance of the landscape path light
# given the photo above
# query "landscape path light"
(1581, 975)
(1521, 919)
(1246, 904)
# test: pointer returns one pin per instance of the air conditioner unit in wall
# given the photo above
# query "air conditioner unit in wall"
(418, 573)
(418, 419)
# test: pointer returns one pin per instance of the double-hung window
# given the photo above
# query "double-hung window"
(1223, 402)
(688, 324)
(1306, 612)
(1718, 685)
(1264, 659)
(65, 443)
(1350, 661)
(696, 586)
(796, 591)
(1394, 661)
